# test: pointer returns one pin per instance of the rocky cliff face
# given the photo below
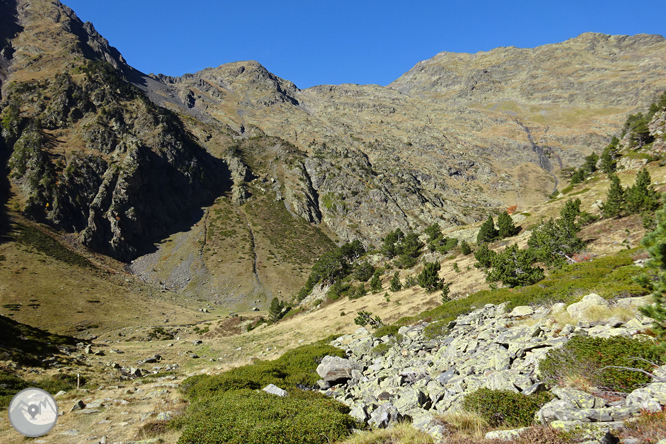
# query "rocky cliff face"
(490, 128)
(89, 152)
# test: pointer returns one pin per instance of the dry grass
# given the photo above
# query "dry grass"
(647, 428)
(594, 314)
(534, 435)
(402, 433)
(466, 424)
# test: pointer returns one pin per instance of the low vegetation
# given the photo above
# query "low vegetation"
(610, 276)
(616, 364)
(504, 407)
(230, 407)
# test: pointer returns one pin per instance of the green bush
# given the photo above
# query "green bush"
(248, 416)
(390, 330)
(229, 408)
(504, 407)
(589, 359)
(297, 366)
(381, 349)
(609, 276)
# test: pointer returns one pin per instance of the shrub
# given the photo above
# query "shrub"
(381, 349)
(466, 249)
(375, 282)
(297, 366)
(364, 271)
(390, 330)
(513, 268)
(504, 407)
(591, 360)
(484, 256)
(248, 416)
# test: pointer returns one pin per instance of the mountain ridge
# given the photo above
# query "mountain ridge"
(354, 161)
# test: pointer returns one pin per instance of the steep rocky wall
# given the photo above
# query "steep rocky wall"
(92, 155)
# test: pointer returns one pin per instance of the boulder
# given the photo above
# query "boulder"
(385, 415)
(410, 399)
(275, 390)
(580, 309)
(334, 369)
(78, 405)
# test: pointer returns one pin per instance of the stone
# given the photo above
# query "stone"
(70, 432)
(385, 415)
(521, 311)
(506, 435)
(334, 369)
(95, 404)
(410, 399)
(651, 396)
(359, 413)
(534, 388)
(445, 377)
(164, 416)
(578, 310)
(78, 405)
(275, 390)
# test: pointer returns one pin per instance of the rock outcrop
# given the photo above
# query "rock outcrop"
(420, 378)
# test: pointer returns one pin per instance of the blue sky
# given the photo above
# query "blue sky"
(331, 42)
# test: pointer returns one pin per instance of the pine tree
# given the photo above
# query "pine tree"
(389, 247)
(505, 225)
(275, 310)
(513, 267)
(395, 284)
(484, 256)
(590, 165)
(615, 204)
(555, 241)
(577, 177)
(375, 282)
(608, 157)
(655, 243)
(487, 232)
(642, 196)
(429, 277)
(466, 249)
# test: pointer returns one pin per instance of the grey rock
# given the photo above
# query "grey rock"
(275, 390)
(385, 415)
(78, 405)
(70, 432)
(579, 309)
(359, 413)
(505, 435)
(410, 399)
(522, 310)
(534, 388)
(445, 377)
(334, 369)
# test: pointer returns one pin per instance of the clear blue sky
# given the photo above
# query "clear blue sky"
(331, 42)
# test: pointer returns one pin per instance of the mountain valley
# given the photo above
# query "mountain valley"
(157, 232)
